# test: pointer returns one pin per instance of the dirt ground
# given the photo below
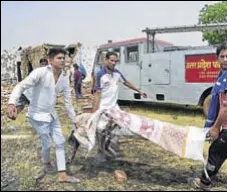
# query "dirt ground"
(148, 166)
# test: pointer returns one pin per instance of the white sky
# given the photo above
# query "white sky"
(93, 23)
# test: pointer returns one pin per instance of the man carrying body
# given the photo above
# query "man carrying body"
(106, 86)
(47, 82)
(217, 122)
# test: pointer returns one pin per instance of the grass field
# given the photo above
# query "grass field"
(148, 166)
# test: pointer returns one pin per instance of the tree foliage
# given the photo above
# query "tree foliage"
(216, 13)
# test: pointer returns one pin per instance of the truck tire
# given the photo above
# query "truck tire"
(206, 105)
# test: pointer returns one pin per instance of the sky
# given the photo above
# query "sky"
(25, 23)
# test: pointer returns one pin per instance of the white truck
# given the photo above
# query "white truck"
(167, 73)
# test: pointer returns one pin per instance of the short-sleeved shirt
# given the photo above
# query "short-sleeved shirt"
(109, 86)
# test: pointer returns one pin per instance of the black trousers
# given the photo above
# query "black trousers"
(216, 158)
(19, 78)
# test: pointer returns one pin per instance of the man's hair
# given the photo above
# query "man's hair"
(110, 53)
(55, 51)
(221, 48)
(43, 60)
(75, 65)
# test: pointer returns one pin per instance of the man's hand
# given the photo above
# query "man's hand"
(11, 111)
(143, 94)
(214, 132)
(76, 125)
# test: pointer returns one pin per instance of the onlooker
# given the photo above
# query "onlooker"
(77, 81)
(18, 62)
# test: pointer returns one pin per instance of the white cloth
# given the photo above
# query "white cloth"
(184, 141)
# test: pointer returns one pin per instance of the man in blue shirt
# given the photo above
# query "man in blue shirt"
(217, 123)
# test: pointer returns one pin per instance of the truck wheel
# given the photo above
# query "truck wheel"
(206, 105)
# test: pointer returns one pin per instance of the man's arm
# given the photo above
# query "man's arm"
(222, 116)
(28, 82)
(131, 86)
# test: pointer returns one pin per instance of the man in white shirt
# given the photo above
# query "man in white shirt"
(106, 89)
(106, 84)
(47, 82)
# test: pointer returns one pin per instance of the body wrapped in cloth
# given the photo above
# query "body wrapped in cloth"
(184, 141)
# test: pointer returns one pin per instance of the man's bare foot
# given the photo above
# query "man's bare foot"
(64, 178)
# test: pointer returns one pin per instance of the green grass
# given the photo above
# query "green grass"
(147, 166)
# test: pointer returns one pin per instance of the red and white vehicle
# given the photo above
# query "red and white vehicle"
(167, 73)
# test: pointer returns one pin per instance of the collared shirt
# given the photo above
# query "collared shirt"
(108, 84)
(44, 94)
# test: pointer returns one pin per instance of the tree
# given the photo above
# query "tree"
(216, 13)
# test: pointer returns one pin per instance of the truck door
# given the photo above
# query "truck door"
(156, 68)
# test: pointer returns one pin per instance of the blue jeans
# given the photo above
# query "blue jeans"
(47, 132)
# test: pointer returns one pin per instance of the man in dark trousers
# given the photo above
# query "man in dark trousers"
(77, 81)
(217, 122)
(18, 62)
